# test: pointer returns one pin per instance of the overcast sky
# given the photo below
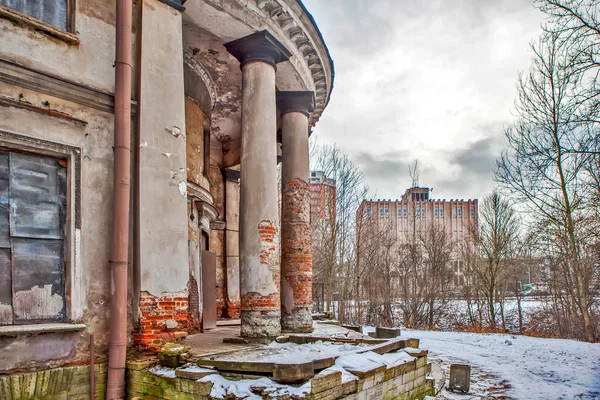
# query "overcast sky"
(428, 80)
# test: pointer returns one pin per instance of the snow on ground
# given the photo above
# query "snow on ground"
(247, 388)
(534, 368)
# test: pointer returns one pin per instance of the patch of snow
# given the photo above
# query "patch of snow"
(292, 353)
(195, 368)
(533, 367)
(162, 371)
(369, 360)
(346, 376)
(249, 388)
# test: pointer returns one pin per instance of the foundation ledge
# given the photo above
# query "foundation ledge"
(14, 330)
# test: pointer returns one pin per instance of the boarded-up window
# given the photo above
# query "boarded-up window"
(32, 220)
(53, 12)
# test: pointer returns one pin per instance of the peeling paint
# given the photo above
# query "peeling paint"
(37, 303)
(176, 132)
(6, 315)
(182, 188)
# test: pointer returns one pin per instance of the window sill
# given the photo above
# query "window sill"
(14, 330)
(8, 13)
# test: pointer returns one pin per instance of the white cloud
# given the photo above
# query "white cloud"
(426, 80)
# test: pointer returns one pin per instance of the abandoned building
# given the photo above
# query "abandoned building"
(196, 102)
(405, 220)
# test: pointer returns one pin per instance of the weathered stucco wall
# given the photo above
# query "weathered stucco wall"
(87, 270)
(163, 187)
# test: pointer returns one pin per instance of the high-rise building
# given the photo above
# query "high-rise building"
(402, 221)
(322, 197)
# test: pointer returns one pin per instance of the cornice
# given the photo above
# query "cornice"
(278, 11)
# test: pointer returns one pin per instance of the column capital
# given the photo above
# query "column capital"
(258, 46)
(299, 101)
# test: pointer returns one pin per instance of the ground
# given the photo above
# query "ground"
(517, 367)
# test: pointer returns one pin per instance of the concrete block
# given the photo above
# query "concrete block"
(138, 365)
(409, 376)
(292, 373)
(365, 383)
(421, 361)
(193, 374)
(196, 388)
(460, 377)
(405, 367)
(375, 393)
(387, 333)
(379, 377)
(419, 380)
(325, 380)
(329, 394)
(349, 388)
(390, 373)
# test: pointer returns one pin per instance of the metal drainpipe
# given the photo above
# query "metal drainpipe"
(122, 164)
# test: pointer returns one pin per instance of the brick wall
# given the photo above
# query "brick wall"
(162, 320)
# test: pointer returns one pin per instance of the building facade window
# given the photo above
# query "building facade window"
(436, 211)
(459, 211)
(380, 211)
(33, 209)
(418, 211)
(52, 12)
(399, 211)
(454, 211)
(387, 211)
(441, 211)
(472, 211)
(405, 212)
(423, 211)
(368, 211)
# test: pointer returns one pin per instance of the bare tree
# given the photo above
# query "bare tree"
(548, 162)
(496, 238)
(334, 247)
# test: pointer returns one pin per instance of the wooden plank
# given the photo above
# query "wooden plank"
(37, 197)
(209, 289)
(38, 280)
(4, 225)
(6, 311)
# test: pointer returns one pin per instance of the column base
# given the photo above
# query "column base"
(260, 323)
(298, 321)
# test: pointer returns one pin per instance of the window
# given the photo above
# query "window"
(405, 212)
(418, 211)
(423, 211)
(380, 211)
(313, 174)
(387, 211)
(459, 211)
(472, 211)
(436, 211)
(399, 211)
(441, 211)
(52, 12)
(368, 209)
(453, 211)
(32, 220)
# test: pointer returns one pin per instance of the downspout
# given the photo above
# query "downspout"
(121, 191)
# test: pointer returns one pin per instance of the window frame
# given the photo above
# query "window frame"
(75, 295)
(69, 35)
